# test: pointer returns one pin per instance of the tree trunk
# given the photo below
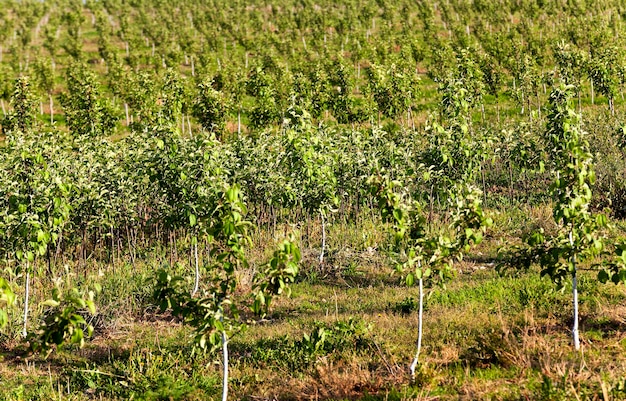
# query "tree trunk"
(58, 250)
(431, 205)
(575, 334)
(195, 258)
(51, 109)
(510, 183)
(171, 248)
(575, 297)
(419, 328)
(323, 238)
(239, 121)
(498, 109)
(225, 368)
(482, 175)
(538, 106)
(112, 247)
(26, 294)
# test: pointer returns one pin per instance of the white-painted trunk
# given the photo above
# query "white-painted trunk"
(575, 334)
(323, 238)
(51, 109)
(419, 328)
(225, 368)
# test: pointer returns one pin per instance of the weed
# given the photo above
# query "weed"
(300, 355)
(405, 307)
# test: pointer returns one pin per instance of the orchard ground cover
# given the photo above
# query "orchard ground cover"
(486, 337)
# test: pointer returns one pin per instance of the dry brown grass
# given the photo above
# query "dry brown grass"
(343, 380)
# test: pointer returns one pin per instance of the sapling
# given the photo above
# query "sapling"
(45, 81)
(36, 207)
(213, 313)
(64, 322)
(578, 237)
(428, 254)
(310, 164)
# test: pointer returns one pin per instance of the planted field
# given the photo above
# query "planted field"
(312, 201)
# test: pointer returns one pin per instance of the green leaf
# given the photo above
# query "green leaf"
(78, 337)
(4, 318)
(51, 302)
(603, 276)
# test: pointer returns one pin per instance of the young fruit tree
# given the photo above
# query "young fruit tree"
(36, 208)
(578, 238)
(427, 254)
(310, 167)
(214, 311)
(64, 321)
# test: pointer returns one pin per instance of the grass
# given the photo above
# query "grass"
(348, 332)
